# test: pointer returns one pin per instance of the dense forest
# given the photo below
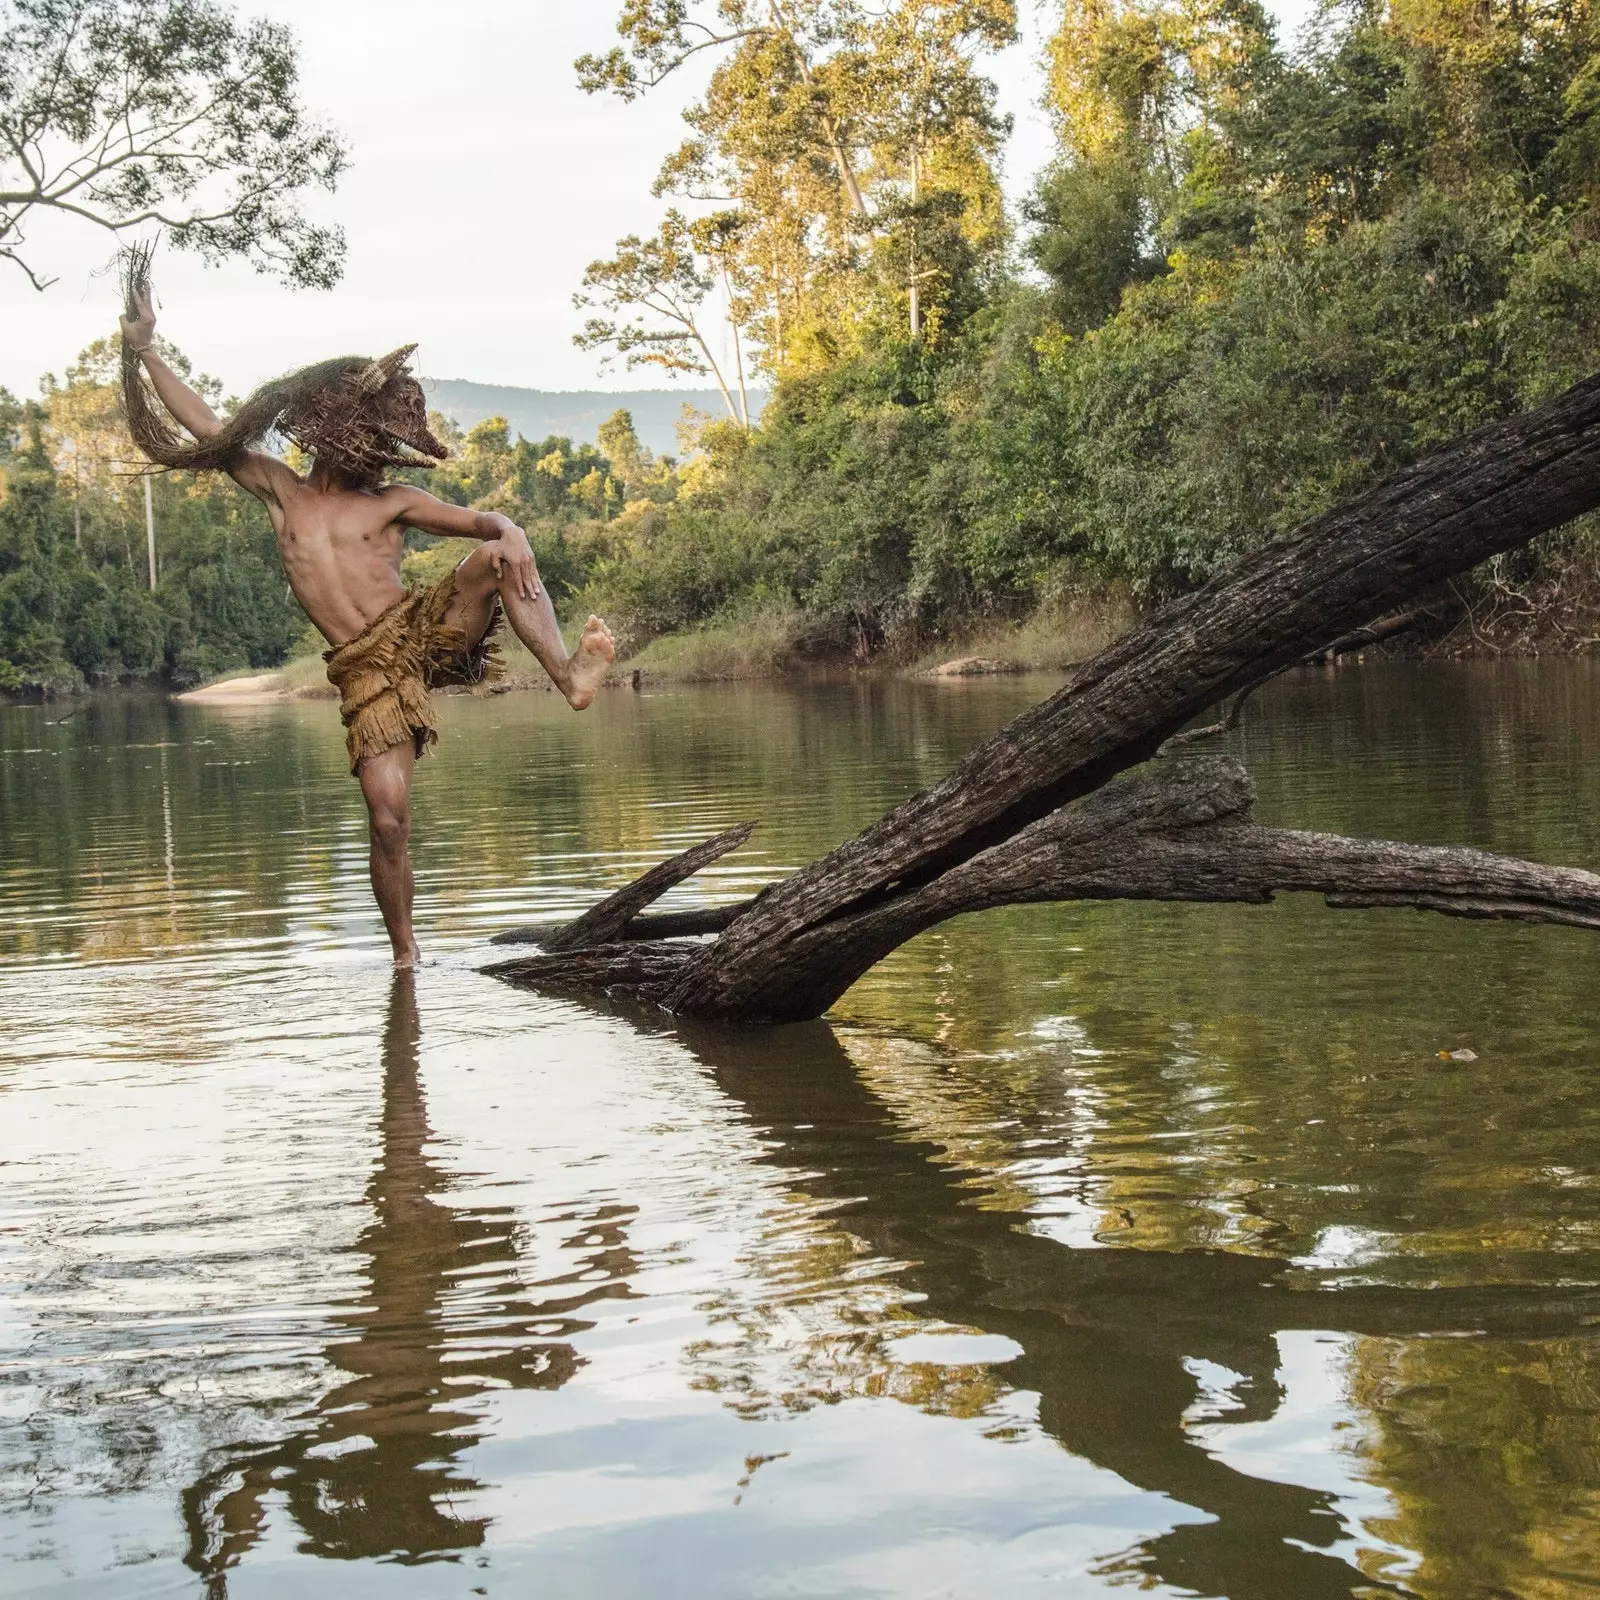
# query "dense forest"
(1254, 278)
(1257, 274)
(77, 602)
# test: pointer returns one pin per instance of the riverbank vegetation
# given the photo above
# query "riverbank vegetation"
(1256, 275)
(1254, 278)
(79, 602)
(93, 591)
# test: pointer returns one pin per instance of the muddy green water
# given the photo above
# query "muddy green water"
(1085, 1248)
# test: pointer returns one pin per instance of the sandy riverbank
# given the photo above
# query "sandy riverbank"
(257, 689)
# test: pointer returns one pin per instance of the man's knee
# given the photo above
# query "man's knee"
(476, 579)
(391, 828)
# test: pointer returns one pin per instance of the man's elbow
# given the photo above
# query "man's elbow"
(199, 425)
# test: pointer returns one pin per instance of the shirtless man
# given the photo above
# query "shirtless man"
(341, 532)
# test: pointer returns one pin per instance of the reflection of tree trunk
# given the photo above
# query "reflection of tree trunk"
(371, 1469)
(1489, 492)
(1105, 1332)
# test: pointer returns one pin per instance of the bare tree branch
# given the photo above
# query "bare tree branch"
(129, 113)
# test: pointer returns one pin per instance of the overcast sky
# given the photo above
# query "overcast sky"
(481, 184)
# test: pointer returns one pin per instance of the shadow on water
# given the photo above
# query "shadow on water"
(1107, 1334)
(372, 1470)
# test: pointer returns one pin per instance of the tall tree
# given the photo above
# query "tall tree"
(936, 137)
(839, 131)
(619, 444)
(654, 291)
(132, 114)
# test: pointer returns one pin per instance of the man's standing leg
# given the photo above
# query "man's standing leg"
(386, 787)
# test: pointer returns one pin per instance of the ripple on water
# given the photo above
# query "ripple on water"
(1000, 1285)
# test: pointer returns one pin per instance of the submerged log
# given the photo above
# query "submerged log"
(612, 916)
(1180, 832)
(785, 956)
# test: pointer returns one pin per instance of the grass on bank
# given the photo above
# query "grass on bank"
(767, 644)
(305, 675)
(774, 643)
(1055, 637)
(777, 643)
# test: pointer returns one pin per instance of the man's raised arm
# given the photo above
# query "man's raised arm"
(139, 334)
(253, 470)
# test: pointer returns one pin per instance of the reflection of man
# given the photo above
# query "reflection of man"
(371, 1469)
(341, 533)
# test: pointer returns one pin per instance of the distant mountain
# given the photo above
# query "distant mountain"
(538, 413)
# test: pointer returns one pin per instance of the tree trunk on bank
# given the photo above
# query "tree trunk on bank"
(993, 832)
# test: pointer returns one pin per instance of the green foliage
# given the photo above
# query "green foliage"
(1089, 237)
(826, 508)
(563, 495)
(174, 113)
(75, 603)
(1267, 279)
(10, 425)
(856, 146)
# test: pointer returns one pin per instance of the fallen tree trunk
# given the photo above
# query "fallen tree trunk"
(1181, 832)
(780, 959)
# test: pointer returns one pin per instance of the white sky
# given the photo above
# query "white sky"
(482, 183)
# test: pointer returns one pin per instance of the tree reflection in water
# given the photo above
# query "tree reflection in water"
(372, 1469)
(1110, 1338)
(1108, 1335)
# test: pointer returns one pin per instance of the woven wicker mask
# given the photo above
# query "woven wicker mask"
(374, 417)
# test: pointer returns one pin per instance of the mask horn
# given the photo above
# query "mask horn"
(377, 373)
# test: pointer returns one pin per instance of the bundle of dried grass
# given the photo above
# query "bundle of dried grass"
(352, 413)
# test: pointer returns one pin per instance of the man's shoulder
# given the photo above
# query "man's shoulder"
(401, 496)
(264, 476)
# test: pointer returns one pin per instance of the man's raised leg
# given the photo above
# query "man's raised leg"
(386, 787)
(578, 675)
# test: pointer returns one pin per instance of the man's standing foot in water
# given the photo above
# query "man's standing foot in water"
(341, 533)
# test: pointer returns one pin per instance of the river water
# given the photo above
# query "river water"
(1083, 1248)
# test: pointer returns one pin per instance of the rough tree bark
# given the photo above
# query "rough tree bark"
(995, 826)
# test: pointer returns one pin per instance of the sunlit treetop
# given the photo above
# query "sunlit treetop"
(855, 145)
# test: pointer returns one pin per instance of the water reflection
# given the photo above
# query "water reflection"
(373, 1469)
(1110, 1338)
(1153, 1155)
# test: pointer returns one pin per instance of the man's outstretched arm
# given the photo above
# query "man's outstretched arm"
(139, 334)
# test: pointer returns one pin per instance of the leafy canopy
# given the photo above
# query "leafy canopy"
(131, 114)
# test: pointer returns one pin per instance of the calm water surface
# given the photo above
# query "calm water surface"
(1085, 1248)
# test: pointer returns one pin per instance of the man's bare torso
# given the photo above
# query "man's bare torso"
(341, 550)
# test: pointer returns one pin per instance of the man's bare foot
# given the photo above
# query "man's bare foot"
(588, 665)
(407, 960)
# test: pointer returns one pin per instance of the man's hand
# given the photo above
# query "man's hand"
(511, 553)
(139, 330)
